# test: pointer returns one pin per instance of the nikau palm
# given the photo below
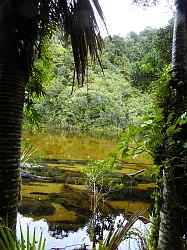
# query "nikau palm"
(24, 26)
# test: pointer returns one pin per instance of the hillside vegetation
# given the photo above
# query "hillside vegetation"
(112, 98)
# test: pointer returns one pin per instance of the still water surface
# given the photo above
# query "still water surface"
(72, 240)
(77, 146)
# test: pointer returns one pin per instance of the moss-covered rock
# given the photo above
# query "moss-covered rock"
(134, 193)
(33, 207)
(141, 178)
(72, 199)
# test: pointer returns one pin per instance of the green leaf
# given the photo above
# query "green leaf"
(170, 116)
(10, 238)
(2, 238)
(5, 237)
(40, 242)
(34, 240)
(137, 151)
(170, 129)
(22, 239)
(125, 151)
(43, 246)
(185, 145)
(28, 238)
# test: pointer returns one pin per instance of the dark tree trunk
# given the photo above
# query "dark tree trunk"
(179, 62)
(17, 30)
(169, 232)
(12, 88)
(173, 215)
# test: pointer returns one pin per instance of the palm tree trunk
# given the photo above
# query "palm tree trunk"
(169, 231)
(173, 215)
(12, 88)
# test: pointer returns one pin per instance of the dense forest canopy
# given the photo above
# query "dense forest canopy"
(113, 98)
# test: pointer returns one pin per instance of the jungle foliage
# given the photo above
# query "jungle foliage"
(113, 98)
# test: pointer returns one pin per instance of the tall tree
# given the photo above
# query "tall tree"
(173, 215)
(171, 156)
(24, 26)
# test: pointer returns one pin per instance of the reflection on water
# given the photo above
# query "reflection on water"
(65, 154)
(132, 207)
(71, 240)
(78, 146)
(72, 145)
(52, 239)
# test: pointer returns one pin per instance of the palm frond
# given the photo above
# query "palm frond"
(79, 21)
(35, 21)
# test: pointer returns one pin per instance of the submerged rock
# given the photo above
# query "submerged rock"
(33, 166)
(31, 207)
(27, 175)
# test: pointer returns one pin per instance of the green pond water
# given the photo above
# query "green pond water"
(72, 145)
(79, 146)
(67, 152)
